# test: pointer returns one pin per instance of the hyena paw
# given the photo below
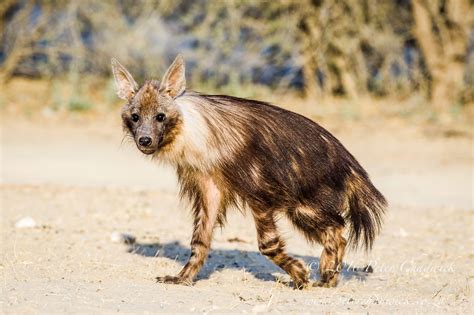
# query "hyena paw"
(329, 279)
(325, 284)
(174, 280)
(300, 284)
(301, 278)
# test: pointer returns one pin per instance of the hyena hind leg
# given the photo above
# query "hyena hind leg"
(272, 246)
(331, 258)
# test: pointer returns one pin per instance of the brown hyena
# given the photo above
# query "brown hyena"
(230, 151)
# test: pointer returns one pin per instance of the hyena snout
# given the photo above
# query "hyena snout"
(144, 141)
(148, 138)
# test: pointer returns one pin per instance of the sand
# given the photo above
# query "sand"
(80, 184)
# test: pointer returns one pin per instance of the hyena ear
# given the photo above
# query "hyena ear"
(126, 85)
(174, 81)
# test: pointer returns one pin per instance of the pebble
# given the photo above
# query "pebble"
(124, 238)
(26, 222)
(402, 232)
(260, 308)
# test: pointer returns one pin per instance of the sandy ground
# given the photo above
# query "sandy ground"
(80, 184)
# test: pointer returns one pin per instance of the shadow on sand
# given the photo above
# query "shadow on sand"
(251, 261)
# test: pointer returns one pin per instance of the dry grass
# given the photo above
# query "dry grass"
(95, 99)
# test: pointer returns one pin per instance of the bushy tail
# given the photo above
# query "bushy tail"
(366, 206)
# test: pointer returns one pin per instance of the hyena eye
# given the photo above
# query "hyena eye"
(135, 117)
(161, 117)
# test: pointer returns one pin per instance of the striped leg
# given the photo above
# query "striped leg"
(331, 257)
(271, 245)
(204, 222)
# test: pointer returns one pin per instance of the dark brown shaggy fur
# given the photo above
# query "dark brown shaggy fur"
(230, 151)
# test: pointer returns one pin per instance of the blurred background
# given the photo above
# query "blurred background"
(392, 79)
(419, 54)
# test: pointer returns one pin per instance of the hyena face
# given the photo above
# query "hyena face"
(150, 115)
(150, 118)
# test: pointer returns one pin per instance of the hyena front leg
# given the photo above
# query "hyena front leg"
(331, 258)
(205, 215)
(271, 245)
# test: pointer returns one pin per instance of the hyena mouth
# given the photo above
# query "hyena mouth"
(154, 148)
(147, 150)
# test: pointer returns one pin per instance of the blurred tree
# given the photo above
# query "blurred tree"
(321, 47)
(442, 29)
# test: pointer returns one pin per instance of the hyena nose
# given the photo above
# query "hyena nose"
(144, 141)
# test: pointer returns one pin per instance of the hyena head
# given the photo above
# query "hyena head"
(150, 115)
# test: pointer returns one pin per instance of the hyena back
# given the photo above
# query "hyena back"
(230, 151)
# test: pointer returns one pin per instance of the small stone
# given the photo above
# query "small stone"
(118, 237)
(402, 232)
(26, 222)
(260, 308)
